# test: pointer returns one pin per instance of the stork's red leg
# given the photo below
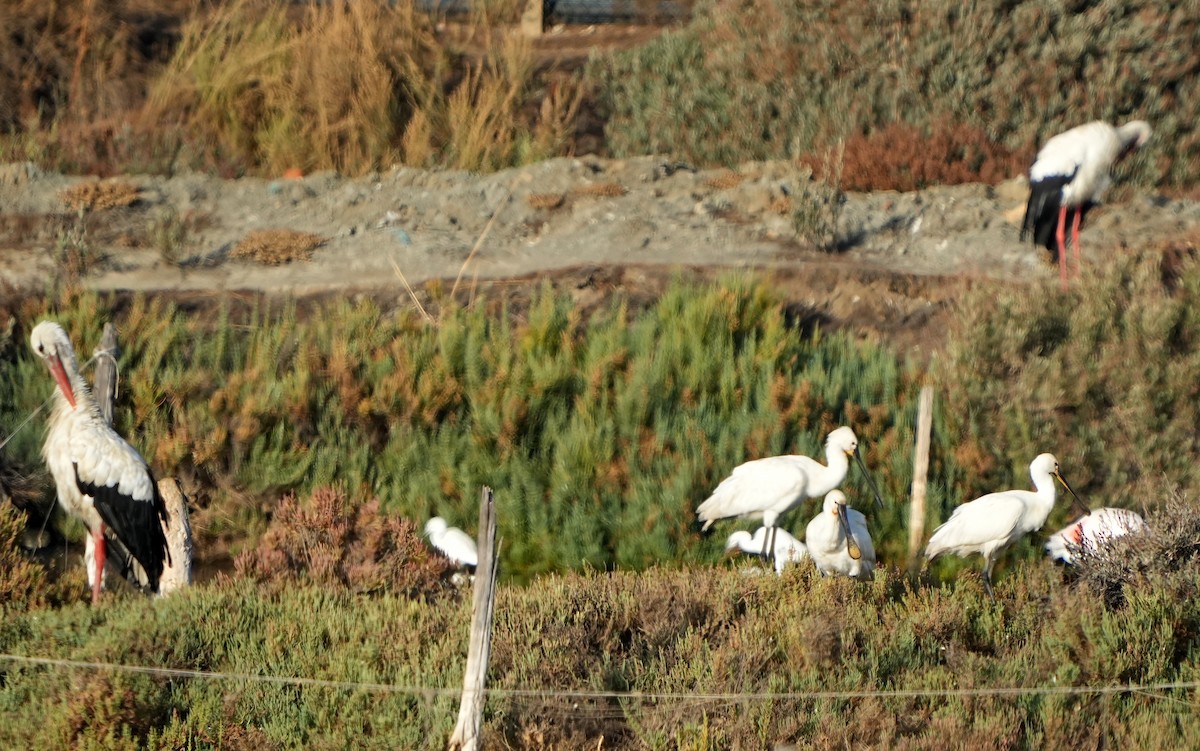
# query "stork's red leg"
(98, 581)
(1060, 235)
(1075, 237)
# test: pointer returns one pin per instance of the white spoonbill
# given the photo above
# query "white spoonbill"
(1089, 534)
(101, 479)
(1070, 175)
(992, 522)
(838, 540)
(787, 548)
(767, 488)
(452, 542)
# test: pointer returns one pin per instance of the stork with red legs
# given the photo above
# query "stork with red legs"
(1070, 176)
(100, 478)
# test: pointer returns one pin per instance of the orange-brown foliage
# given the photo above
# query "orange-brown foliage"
(332, 540)
(900, 156)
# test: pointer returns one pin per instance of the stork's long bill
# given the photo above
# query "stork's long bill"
(851, 544)
(60, 375)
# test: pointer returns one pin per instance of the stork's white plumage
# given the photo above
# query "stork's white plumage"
(1089, 534)
(452, 542)
(992, 522)
(838, 540)
(1070, 175)
(101, 479)
(767, 488)
(787, 548)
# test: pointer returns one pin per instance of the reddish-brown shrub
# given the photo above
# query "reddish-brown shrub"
(900, 156)
(332, 540)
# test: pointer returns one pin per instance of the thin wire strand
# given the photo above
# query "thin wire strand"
(577, 695)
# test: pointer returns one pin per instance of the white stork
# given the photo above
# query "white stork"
(1089, 534)
(1071, 174)
(767, 488)
(100, 478)
(992, 522)
(838, 540)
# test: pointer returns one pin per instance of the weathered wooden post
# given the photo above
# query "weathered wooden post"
(178, 571)
(533, 19)
(916, 517)
(470, 712)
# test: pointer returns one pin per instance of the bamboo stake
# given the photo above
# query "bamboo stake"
(916, 518)
(470, 711)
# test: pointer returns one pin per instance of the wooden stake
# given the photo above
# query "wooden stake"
(178, 573)
(470, 711)
(916, 518)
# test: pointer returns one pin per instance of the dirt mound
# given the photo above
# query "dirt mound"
(598, 226)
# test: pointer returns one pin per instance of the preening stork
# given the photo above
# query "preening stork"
(100, 478)
(452, 542)
(1070, 176)
(992, 522)
(838, 540)
(767, 488)
(787, 548)
(1089, 534)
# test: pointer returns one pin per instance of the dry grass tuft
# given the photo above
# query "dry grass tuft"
(277, 246)
(602, 190)
(97, 196)
(546, 201)
(725, 180)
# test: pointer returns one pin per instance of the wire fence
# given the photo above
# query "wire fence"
(630, 696)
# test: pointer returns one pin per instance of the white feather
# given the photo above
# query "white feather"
(452, 542)
(1088, 535)
(787, 548)
(827, 543)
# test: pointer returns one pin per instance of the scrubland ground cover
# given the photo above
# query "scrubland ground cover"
(600, 437)
(313, 439)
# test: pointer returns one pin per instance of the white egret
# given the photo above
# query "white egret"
(787, 548)
(452, 542)
(1089, 534)
(992, 522)
(838, 540)
(1071, 174)
(100, 478)
(767, 488)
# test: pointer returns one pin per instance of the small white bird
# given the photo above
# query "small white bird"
(787, 548)
(992, 522)
(1070, 175)
(838, 540)
(1089, 534)
(452, 542)
(767, 488)
(100, 478)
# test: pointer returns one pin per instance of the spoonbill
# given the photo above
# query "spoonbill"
(100, 478)
(787, 548)
(1089, 534)
(838, 540)
(992, 522)
(452, 542)
(767, 488)
(1070, 175)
